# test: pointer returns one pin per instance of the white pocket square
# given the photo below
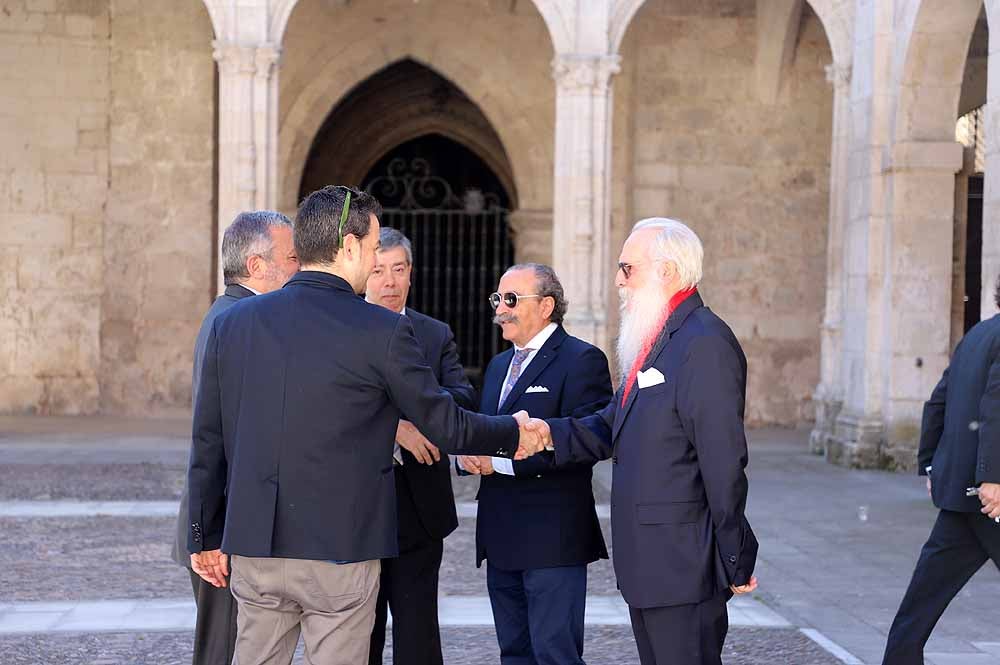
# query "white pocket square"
(651, 377)
(537, 389)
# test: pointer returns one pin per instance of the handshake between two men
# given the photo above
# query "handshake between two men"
(534, 437)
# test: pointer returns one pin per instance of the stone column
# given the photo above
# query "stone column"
(829, 396)
(582, 206)
(532, 231)
(248, 129)
(991, 176)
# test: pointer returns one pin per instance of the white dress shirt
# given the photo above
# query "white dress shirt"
(502, 464)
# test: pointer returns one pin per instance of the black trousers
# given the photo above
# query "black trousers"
(410, 591)
(215, 629)
(681, 634)
(959, 545)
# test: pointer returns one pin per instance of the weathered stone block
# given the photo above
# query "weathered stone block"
(27, 190)
(35, 230)
(20, 395)
(77, 193)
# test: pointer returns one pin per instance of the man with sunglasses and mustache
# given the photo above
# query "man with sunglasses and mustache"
(537, 526)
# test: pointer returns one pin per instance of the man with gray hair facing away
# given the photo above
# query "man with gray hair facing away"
(258, 256)
(674, 432)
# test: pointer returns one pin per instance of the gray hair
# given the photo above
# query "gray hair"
(548, 284)
(677, 243)
(248, 235)
(390, 238)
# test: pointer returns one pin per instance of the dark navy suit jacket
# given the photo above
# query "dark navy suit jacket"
(678, 448)
(544, 516)
(301, 394)
(233, 294)
(424, 497)
(960, 436)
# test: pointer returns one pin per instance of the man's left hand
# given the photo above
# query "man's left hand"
(409, 437)
(212, 566)
(989, 496)
(746, 588)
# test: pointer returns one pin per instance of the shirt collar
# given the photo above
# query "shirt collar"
(538, 340)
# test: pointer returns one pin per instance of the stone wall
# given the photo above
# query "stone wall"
(158, 235)
(54, 91)
(751, 178)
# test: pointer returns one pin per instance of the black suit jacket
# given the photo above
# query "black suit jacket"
(424, 498)
(679, 451)
(301, 394)
(960, 434)
(233, 294)
(544, 516)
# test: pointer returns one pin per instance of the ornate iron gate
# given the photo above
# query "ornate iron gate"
(461, 247)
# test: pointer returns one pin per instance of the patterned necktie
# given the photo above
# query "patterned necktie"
(515, 372)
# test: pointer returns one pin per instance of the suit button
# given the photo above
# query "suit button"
(614, 459)
(732, 559)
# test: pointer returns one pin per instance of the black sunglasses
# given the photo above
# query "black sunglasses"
(509, 299)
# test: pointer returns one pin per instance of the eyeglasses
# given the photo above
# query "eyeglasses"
(626, 269)
(509, 299)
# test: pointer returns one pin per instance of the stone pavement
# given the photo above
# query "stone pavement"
(86, 509)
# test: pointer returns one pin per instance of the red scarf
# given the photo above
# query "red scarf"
(648, 345)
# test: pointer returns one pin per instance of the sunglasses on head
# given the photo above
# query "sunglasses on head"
(344, 211)
(509, 299)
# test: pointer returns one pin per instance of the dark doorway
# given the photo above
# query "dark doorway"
(454, 210)
(974, 252)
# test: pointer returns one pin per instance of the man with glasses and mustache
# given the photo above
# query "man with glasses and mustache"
(537, 526)
(674, 432)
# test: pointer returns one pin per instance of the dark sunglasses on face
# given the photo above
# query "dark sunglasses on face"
(509, 299)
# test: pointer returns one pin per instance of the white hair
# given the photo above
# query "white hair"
(677, 243)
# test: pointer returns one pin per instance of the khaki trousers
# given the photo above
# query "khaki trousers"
(332, 605)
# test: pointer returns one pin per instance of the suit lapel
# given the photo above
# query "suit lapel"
(673, 324)
(493, 382)
(541, 360)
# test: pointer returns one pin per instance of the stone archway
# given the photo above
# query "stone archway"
(399, 103)
(324, 59)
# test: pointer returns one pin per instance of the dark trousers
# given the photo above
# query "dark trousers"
(681, 634)
(410, 591)
(215, 629)
(538, 614)
(959, 545)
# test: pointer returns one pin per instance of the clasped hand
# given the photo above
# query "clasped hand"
(535, 435)
(989, 496)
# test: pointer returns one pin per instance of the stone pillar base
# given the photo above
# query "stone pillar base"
(827, 409)
(856, 442)
(900, 450)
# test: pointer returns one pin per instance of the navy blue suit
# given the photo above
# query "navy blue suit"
(678, 448)
(215, 630)
(538, 529)
(425, 506)
(960, 456)
(301, 394)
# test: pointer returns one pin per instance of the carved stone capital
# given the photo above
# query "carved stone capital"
(585, 73)
(245, 59)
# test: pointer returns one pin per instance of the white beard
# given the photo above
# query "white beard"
(641, 317)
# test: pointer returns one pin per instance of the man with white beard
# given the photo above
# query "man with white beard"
(674, 432)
